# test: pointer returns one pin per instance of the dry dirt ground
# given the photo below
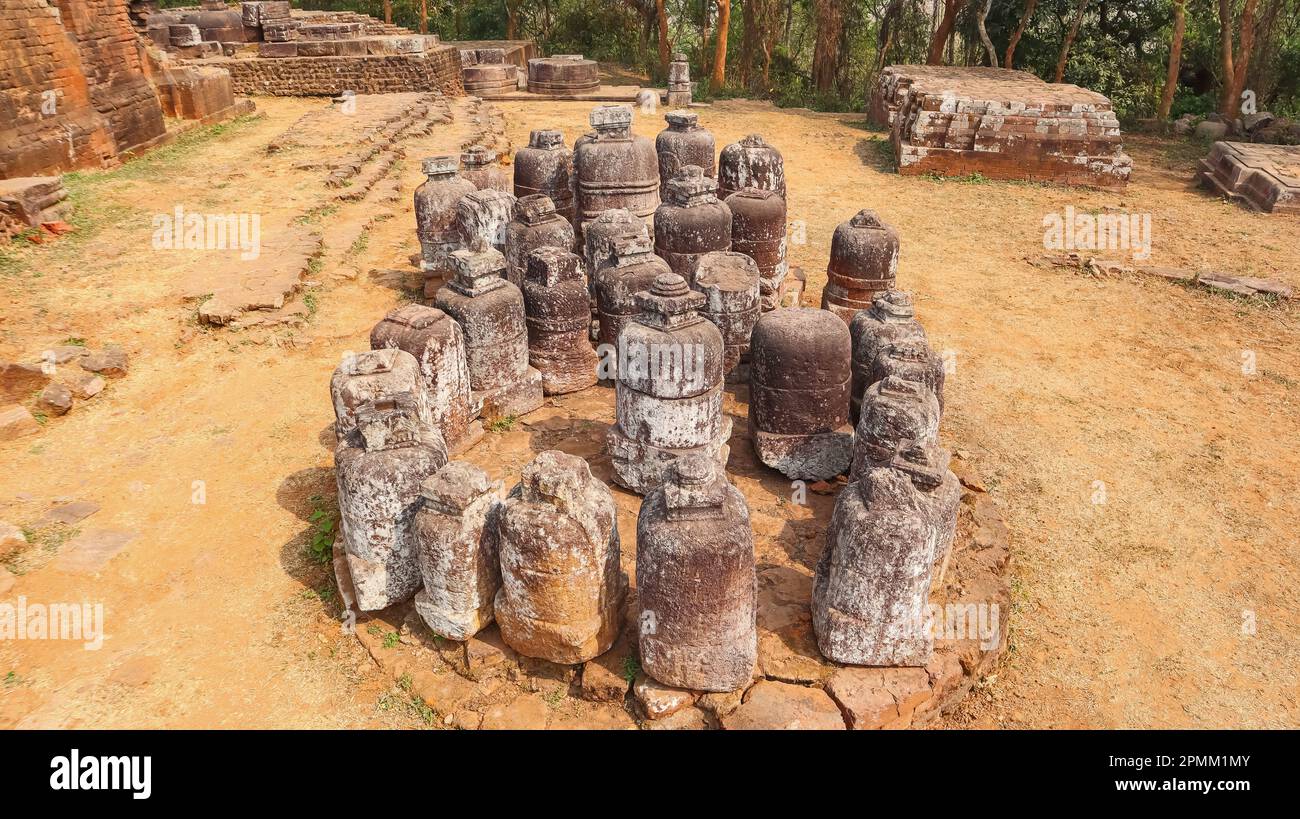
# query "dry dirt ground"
(1067, 390)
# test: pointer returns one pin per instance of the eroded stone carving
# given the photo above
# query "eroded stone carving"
(546, 167)
(379, 467)
(484, 214)
(438, 346)
(535, 224)
(435, 218)
(890, 318)
(864, 262)
(479, 165)
(684, 143)
(615, 168)
(730, 284)
(750, 163)
(455, 536)
(695, 581)
(490, 311)
(631, 268)
(758, 231)
(371, 375)
(691, 222)
(562, 589)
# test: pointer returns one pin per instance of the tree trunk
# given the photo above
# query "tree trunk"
(720, 51)
(748, 42)
(1069, 41)
(1009, 60)
(512, 19)
(826, 49)
(885, 36)
(424, 16)
(704, 36)
(388, 12)
(1175, 58)
(1235, 67)
(945, 30)
(984, 33)
(661, 22)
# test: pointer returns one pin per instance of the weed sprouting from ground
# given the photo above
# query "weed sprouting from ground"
(320, 547)
(504, 424)
(631, 668)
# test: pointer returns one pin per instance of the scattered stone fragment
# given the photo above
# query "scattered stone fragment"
(669, 391)
(380, 466)
(872, 698)
(16, 421)
(55, 399)
(91, 551)
(659, 700)
(490, 310)
(456, 543)
(86, 385)
(800, 377)
(18, 382)
(696, 582)
(562, 588)
(776, 705)
(109, 362)
(70, 514)
(864, 262)
(12, 539)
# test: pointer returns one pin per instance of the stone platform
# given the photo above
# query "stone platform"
(1262, 177)
(606, 93)
(998, 123)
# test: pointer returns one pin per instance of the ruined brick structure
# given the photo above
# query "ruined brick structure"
(74, 90)
(1003, 124)
(438, 69)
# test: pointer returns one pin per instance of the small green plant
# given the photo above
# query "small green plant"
(631, 668)
(12, 680)
(503, 424)
(321, 546)
(391, 639)
(316, 214)
(309, 301)
(74, 341)
(41, 418)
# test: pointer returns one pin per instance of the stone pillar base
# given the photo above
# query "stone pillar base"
(820, 456)
(642, 467)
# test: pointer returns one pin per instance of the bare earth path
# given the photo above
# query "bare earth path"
(1129, 612)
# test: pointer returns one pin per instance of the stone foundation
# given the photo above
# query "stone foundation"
(1262, 177)
(1002, 124)
(435, 70)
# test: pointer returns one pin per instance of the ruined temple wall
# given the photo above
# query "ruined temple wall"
(436, 70)
(87, 54)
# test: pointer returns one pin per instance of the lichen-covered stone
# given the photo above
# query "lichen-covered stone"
(800, 375)
(890, 318)
(379, 467)
(490, 311)
(546, 167)
(730, 284)
(632, 268)
(484, 215)
(562, 591)
(684, 142)
(695, 581)
(912, 360)
(669, 392)
(435, 214)
(601, 233)
(558, 315)
(872, 587)
(758, 231)
(455, 535)
(899, 429)
(535, 224)
(372, 375)
(690, 222)
(479, 165)
(438, 345)
(615, 168)
(750, 163)
(864, 262)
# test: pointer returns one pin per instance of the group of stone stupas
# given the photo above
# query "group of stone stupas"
(682, 295)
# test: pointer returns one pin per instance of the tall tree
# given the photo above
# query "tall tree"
(1237, 65)
(661, 22)
(1175, 59)
(720, 50)
(984, 33)
(944, 31)
(388, 12)
(1009, 60)
(424, 16)
(1069, 40)
(826, 48)
(512, 19)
